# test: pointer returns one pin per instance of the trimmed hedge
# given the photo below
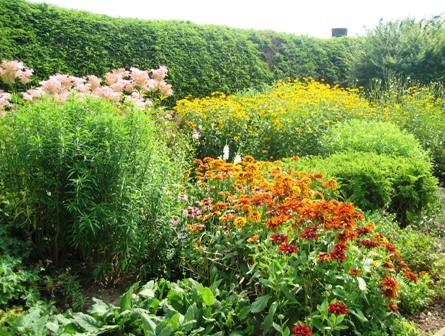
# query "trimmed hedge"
(404, 186)
(201, 58)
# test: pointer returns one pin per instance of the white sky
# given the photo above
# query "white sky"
(308, 17)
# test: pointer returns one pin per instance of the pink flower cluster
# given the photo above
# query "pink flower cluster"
(119, 85)
(10, 71)
(134, 85)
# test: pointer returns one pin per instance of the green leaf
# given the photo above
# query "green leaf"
(268, 321)
(259, 304)
(125, 300)
(207, 295)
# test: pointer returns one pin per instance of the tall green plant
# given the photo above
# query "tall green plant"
(89, 181)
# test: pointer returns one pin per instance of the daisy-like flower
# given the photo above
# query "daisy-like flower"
(338, 308)
(288, 248)
(279, 238)
(300, 329)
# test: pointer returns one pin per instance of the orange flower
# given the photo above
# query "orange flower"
(324, 257)
(253, 239)
(194, 228)
(392, 306)
(354, 272)
(411, 276)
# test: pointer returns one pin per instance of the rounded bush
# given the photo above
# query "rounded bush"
(88, 181)
(371, 136)
(404, 186)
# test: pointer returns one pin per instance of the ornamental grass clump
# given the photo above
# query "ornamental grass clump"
(311, 263)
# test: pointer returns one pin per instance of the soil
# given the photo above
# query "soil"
(432, 319)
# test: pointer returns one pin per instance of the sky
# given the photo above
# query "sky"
(308, 17)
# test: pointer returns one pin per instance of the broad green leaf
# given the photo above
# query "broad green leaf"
(207, 295)
(259, 304)
(125, 300)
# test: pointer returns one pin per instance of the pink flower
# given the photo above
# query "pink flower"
(52, 86)
(161, 73)
(5, 100)
(93, 82)
(139, 77)
(165, 89)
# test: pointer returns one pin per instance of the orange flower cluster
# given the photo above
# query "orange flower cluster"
(262, 198)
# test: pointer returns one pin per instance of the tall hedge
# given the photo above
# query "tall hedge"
(201, 58)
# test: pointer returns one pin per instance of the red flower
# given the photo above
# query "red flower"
(389, 282)
(390, 247)
(310, 233)
(339, 251)
(338, 308)
(390, 293)
(301, 330)
(288, 248)
(363, 231)
(279, 238)
(368, 243)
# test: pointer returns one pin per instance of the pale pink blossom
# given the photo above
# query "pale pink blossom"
(32, 94)
(160, 73)
(25, 75)
(5, 100)
(106, 92)
(195, 134)
(93, 82)
(52, 86)
(139, 77)
(115, 75)
(12, 70)
(165, 89)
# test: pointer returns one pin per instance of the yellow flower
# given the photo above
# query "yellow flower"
(254, 216)
(240, 222)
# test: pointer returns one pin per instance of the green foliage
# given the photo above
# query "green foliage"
(164, 308)
(415, 296)
(17, 285)
(408, 47)
(88, 181)
(404, 186)
(372, 137)
(403, 327)
(422, 252)
(201, 59)
(417, 110)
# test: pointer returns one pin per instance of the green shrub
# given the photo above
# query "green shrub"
(404, 186)
(87, 181)
(372, 137)
(407, 47)
(419, 111)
